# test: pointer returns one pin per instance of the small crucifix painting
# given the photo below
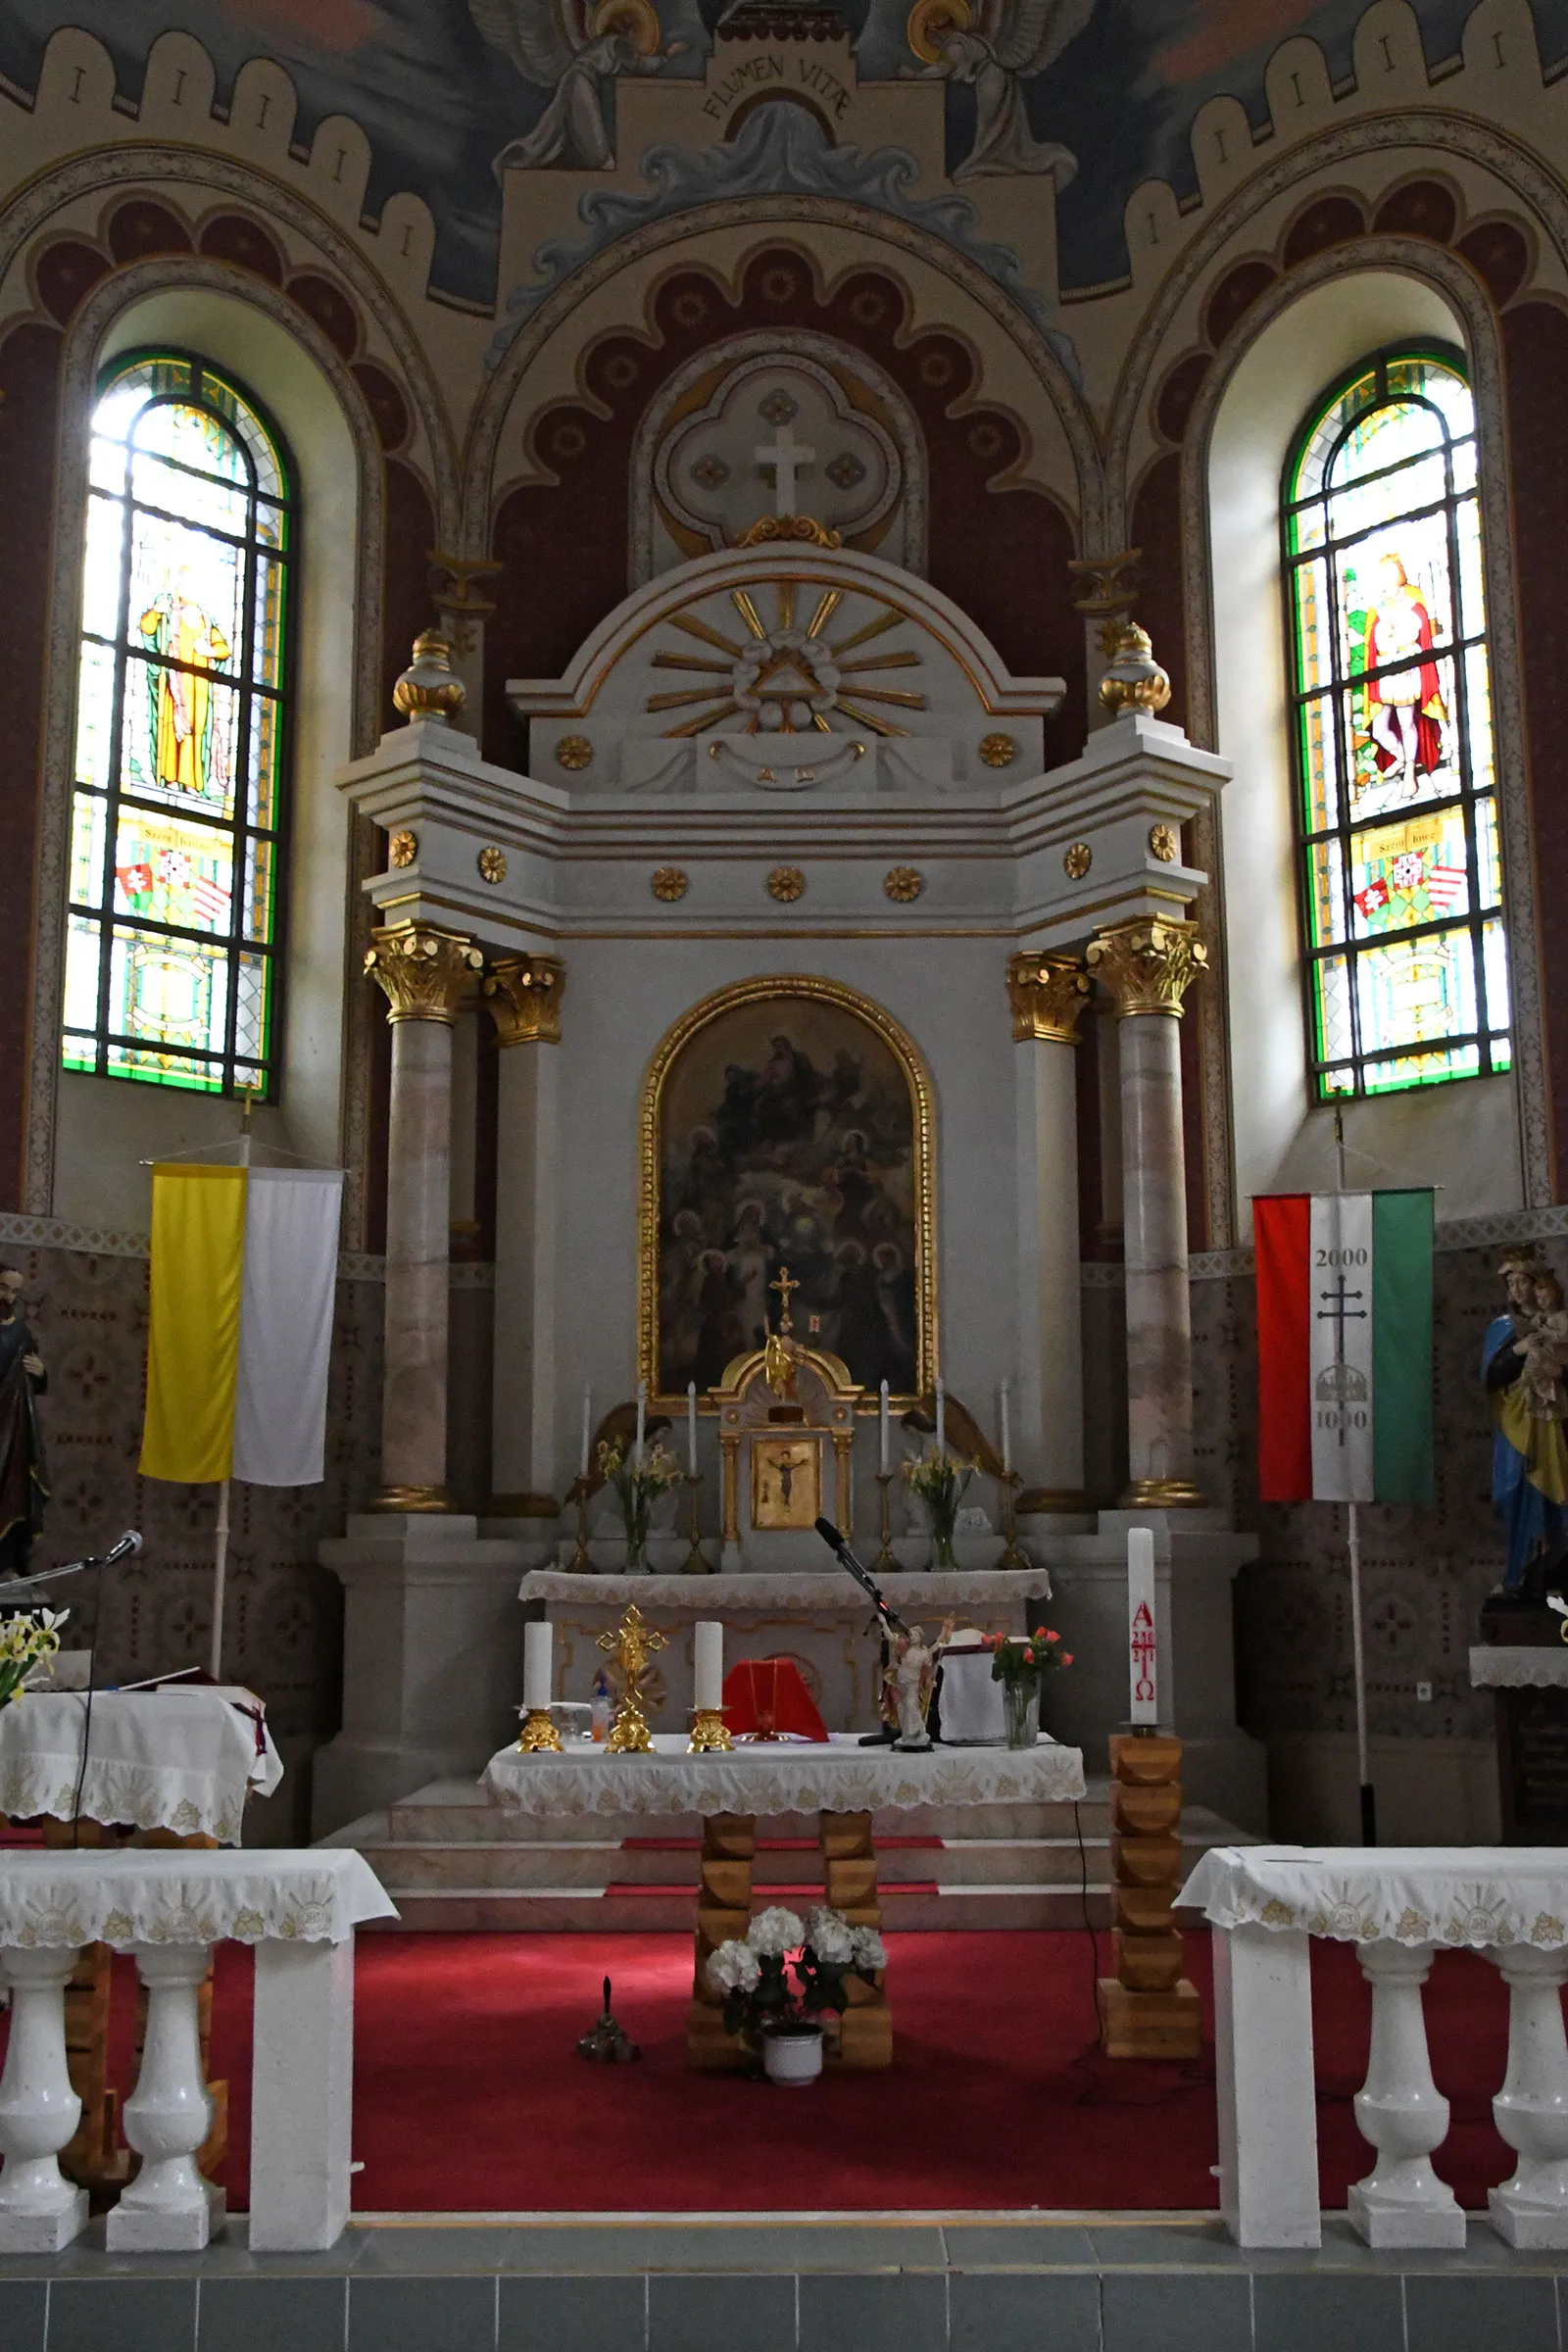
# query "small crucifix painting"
(786, 1482)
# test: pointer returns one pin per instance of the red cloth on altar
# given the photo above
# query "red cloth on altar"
(767, 1697)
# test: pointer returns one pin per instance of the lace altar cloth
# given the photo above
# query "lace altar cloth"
(1503, 1667)
(169, 1896)
(840, 1777)
(174, 1759)
(926, 1599)
(1468, 1894)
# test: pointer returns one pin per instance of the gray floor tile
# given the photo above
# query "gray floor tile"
(268, 2314)
(693, 2248)
(865, 2247)
(1291, 2315)
(434, 2253)
(391, 2314)
(1165, 2246)
(122, 2314)
(898, 2313)
(694, 2314)
(1177, 2312)
(989, 2309)
(1479, 2315)
(22, 2310)
(1020, 2246)
(573, 2315)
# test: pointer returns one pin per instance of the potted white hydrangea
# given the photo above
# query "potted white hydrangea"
(784, 1976)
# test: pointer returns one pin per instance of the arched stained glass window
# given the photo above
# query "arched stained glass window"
(181, 734)
(1397, 814)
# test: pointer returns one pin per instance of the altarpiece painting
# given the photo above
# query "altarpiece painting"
(787, 1127)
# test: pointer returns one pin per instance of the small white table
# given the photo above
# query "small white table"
(1519, 1666)
(183, 1758)
(170, 1908)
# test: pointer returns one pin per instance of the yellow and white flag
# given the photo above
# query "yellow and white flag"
(244, 1262)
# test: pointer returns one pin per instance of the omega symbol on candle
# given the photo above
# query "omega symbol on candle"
(1143, 1652)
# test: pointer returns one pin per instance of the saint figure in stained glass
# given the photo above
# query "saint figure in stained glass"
(176, 627)
(1405, 705)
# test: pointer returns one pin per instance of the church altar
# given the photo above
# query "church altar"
(822, 1622)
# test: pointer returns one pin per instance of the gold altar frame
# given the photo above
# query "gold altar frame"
(784, 987)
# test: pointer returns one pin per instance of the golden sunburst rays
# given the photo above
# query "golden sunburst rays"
(710, 706)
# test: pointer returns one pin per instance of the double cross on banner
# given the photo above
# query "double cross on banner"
(1339, 1313)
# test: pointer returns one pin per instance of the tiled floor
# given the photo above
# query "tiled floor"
(1080, 2282)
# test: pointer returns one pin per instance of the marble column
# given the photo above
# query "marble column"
(425, 973)
(1148, 968)
(524, 993)
(1049, 993)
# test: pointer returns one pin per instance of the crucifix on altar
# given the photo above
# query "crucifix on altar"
(784, 458)
(779, 1410)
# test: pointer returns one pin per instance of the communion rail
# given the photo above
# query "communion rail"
(170, 1908)
(1399, 1906)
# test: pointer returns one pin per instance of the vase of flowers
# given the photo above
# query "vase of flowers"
(27, 1641)
(784, 1978)
(1021, 1663)
(639, 1483)
(940, 1480)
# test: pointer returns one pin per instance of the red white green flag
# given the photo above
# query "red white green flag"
(1343, 1346)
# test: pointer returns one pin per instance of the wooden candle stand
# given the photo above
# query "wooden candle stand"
(1148, 2008)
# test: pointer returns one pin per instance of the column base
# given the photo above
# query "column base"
(47, 2232)
(411, 1498)
(1526, 2222)
(1161, 1495)
(1151, 2024)
(1384, 2220)
(131, 2230)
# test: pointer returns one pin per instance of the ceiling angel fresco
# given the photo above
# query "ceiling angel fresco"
(1100, 94)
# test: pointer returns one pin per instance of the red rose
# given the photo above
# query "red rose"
(1047, 1637)
(1067, 1657)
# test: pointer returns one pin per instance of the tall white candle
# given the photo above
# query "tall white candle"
(942, 1417)
(882, 1431)
(708, 1649)
(691, 1426)
(587, 1427)
(1142, 1641)
(642, 1420)
(538, 1642)
(1006, 1436)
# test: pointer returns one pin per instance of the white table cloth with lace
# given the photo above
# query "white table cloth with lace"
(1475, 1896)
(137, 1894)
(182, 1758)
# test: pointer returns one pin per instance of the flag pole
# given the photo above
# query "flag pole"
(221, 1541)
(1369, 1804)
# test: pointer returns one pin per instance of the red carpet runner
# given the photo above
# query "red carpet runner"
(468, 2095)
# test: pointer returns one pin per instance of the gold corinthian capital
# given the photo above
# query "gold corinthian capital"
(424, 972)
(1048, 994)
(1147, 965)
(524, 993)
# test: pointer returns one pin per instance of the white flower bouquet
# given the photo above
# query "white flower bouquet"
(787, 1972)
(27, 1641)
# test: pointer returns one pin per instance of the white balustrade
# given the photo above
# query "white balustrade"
(169, 2206)
(1402, 2202)
(40, 2210)
(1531, 2107)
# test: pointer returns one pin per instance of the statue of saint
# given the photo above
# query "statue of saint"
(24, 1484)
(1524, 1362)
(913, 1681)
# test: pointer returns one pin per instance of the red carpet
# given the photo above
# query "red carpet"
(468, 2095)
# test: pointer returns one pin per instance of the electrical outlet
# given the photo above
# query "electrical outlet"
(1423, 1691)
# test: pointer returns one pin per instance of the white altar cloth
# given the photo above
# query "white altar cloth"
(136, 1894)
(1415, 1894)
(179, 1759)
(838, 1775)
(1501, 1666)
(920, 1596)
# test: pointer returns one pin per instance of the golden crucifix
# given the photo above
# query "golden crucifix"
(783, 1285)
(630, 1647)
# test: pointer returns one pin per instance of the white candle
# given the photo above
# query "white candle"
(587, 1427)
(708, 1642)
(691, 1426)
(642, 1421)
(538, 1642)
(942, 1417)
(1142, 1644)
(882, 1461)
(1006, 1436)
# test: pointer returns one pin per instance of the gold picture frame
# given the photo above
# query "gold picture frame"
(779, 991)
(786, 1480)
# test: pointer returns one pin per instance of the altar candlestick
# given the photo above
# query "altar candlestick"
(1143, 1642)
(587, 1427)
(941, 1418)
(642, 1421)
(882, 1431)
(708, 1640)
(538, 1642)
(691, 1426)
(1006, 1436)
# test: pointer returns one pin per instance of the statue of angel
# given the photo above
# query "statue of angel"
(997, 46)
(571, 48)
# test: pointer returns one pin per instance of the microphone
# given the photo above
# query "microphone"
(863, 1576)
(130, 1541)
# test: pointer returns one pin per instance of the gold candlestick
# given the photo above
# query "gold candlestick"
(1012, 1557)
(694, 1563)
(581, 1564)
(538, 1733)
(885, 1563)
(709, 1732)
(632, 1646)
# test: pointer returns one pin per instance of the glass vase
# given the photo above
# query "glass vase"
(1022, 1709)
(942, 1553)
(635, 1518)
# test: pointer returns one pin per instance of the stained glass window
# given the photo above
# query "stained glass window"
(181, 731)
(1396, 813)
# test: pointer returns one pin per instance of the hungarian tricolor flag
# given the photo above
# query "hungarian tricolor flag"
(1343, 1346)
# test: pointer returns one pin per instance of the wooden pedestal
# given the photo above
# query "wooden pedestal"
(1147, 2009)
(864, 2040)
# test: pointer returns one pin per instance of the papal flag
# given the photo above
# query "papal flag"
(244, 1264)
(1343, 1346)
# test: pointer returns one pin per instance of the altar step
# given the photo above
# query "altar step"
(451, 1861)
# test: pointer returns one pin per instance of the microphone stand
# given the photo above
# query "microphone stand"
(886, 1619)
